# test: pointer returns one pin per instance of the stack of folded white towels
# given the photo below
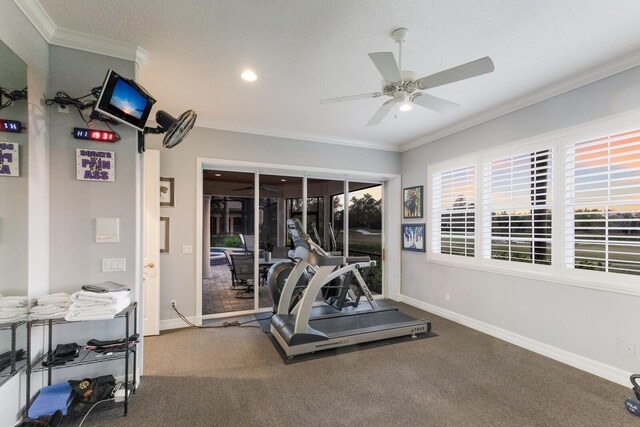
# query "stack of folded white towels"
(54, 306)
(13, 309)
(87, 305)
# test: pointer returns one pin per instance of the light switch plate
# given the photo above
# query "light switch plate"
(187, 249)
(113, 264)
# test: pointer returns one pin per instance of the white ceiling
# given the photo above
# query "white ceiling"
(306, 50)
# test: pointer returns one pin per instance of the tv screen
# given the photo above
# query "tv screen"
(124, 100)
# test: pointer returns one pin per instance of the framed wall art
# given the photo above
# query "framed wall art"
(9, 159)
(413, 237)
(412, 202)
(95, 165)
(167, 192)
(164, 234)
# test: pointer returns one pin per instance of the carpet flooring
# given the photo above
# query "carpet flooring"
(235, 377)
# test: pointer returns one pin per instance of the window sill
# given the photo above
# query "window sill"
(632, 288)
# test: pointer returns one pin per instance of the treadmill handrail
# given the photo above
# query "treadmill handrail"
(318, 280)
(289, 286)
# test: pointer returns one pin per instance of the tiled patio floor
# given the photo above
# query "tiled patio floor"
(218, 297)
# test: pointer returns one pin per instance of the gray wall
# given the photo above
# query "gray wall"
(18, 33)
(588, 323)
(75, 258)
(177, 270)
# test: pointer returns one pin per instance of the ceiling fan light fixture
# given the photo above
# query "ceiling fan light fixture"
(402, 101)
(405, 106)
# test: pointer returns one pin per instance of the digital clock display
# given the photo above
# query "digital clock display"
(10, 126)
(95, 135)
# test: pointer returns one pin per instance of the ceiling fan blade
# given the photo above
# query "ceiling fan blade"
(434, 103)
(263, 188)
(461, 72)
(269, 189)
(350, 98)
(381, 113)
(386, 63)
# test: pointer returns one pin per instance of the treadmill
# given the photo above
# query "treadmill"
(298, 333)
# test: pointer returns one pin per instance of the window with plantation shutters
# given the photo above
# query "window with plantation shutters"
(603, 204)
(517, 208)
(453, 212)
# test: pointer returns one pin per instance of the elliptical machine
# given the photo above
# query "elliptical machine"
(344, 287)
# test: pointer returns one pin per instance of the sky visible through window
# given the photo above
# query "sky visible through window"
(603, 181)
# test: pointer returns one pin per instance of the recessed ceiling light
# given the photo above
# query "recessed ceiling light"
(249, 76)
(217, 174)
(283, 180)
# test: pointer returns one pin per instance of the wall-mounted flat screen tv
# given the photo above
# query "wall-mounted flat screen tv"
(124, 100)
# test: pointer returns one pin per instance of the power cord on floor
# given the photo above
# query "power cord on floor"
(90, 409)
(222, 325)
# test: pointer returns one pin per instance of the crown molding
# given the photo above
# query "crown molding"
(55, 35)
(297, 135)
(39, 17)
(607, 69)
(99, 45)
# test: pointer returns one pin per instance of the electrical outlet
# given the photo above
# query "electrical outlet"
(63, 109)
(630, 349)
(447, 297)
(173, 303)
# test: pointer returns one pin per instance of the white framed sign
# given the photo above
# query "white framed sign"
(95, 165)
(9, 159)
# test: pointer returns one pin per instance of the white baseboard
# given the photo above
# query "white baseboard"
(580, 362)
(176, 323)
(396, 297)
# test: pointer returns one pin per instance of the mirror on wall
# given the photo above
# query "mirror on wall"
(13, 212)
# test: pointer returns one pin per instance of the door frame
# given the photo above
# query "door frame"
(391, 214)
(150, 243)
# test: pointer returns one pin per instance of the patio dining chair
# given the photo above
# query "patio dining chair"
(234, 280)
(242, 265)
(247, 243)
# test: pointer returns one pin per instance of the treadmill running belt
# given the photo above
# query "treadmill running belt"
(365, 320)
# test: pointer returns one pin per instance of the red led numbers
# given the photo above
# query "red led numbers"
(94, 135)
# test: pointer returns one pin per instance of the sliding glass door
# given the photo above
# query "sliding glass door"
(276, 195)
(231, 282)
(247, 232)
(365, 228)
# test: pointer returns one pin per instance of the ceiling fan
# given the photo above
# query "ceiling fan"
(404, 88)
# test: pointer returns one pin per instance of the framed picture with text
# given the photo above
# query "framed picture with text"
(412, 202)
(413, 237)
